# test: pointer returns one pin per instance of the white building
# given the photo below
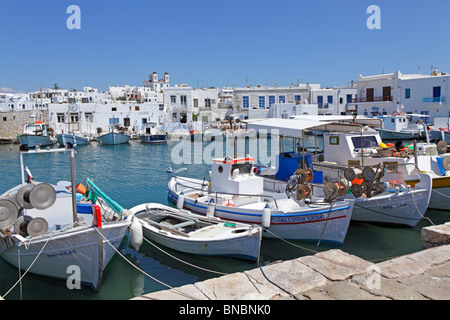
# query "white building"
(419, 94)
(155, 84)
(333, 101)
(88, 117)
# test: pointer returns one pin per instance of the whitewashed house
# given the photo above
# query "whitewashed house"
(419, 94)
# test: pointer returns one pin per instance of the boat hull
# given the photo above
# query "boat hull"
(32, 140)
(394, 135)
(65, 250)
(440, 193)
(242, 242)
(64, 138)
(113, 138)
(154, 138)
(311, 223)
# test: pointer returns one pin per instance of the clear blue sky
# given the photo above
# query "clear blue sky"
(218, 43)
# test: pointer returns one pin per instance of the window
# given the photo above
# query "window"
(4, 118)
(183, 100)
(196, 103)
(245, 102)
(436, 92)
(60, 117)
(88, 117)
(74, 117)
(271, 100)
(113, 108)
(349, 98)
(207, 102)
(282, 99)
(262, 101)
(330, 99)
(320, 101)
(113, 120)
(173, 99)
(334, 140)
(407, 93)
(297, 98)
(367, 142)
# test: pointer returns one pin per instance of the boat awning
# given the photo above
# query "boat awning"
(295, 127)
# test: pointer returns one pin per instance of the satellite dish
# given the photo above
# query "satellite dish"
(368, 174)
(446, 163)
(442, 147)
(37, 227)
(331, 191)
(357, 190)
(8, 213)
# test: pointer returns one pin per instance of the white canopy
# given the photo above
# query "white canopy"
(294, 127)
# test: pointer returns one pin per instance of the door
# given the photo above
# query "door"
(436, 92)
(369, 94)
(386, 93)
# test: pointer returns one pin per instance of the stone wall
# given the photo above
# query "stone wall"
(12, 122)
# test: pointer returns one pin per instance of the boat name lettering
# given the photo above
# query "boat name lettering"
(297, 219)
(402, 205)
(60, 254)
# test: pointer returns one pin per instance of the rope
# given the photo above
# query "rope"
(323, 230)
(276, 285)
(145, 273)
(20, 279)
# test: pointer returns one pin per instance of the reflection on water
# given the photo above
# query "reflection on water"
(136, 173)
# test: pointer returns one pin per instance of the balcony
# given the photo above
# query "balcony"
(434, 99)
(372, 99)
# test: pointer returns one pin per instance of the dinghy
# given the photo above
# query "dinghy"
(190, 233)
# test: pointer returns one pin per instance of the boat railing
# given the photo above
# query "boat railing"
(221, 192)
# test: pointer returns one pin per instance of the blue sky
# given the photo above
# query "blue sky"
(217, 43)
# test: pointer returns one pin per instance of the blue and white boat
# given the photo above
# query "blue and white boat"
(65, 138)
(113, 138)
(235, 193)
(36, 135)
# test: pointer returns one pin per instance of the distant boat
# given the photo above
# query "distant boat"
(65, 138)
(154, 138)
(36, 135)
(397, 127)
(184, 231)
(113, 138)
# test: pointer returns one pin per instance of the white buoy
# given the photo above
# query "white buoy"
(180, 202)
(211, 208)
(136, 237)
(267, 213)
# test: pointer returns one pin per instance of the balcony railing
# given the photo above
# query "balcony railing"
(372, 99)
(434, 99)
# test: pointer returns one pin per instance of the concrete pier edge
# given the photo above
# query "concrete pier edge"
(334, 275)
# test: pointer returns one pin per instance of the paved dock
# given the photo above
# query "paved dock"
(334, 275)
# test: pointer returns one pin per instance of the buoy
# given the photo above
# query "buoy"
(266, 215)
(180, 202)
(383, 145)
(211, 208)
(136, 237)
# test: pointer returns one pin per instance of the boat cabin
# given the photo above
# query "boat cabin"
(37, 128)
(235, 176)
(339, 147)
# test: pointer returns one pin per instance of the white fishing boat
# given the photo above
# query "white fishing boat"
(46, 232)
(351, 145)
(398, 127)
(235, 193)
(184, 231)
(36, 135)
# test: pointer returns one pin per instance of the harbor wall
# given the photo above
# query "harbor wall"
(333, 275)
(12, 122)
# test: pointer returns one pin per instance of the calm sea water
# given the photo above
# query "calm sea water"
(136, 173)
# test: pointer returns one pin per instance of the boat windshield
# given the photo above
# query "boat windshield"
(367, 142)
(243, 167)
(33, 128)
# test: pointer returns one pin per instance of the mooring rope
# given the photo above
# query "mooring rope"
(35, 259)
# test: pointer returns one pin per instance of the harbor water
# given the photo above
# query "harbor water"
(135, 173)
